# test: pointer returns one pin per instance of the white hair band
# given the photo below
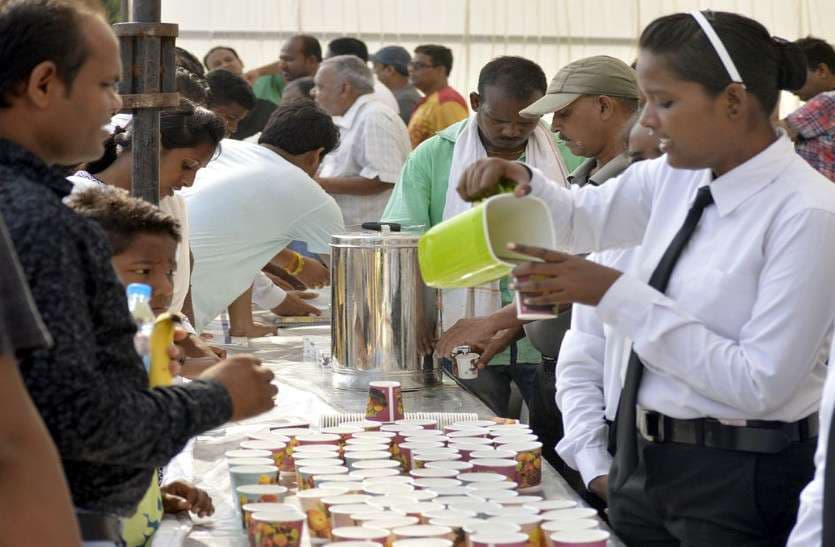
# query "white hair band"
(718, 46)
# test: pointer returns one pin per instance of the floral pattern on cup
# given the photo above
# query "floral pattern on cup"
(385, 402)
(266, 532)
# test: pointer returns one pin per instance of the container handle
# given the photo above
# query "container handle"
(378, 226)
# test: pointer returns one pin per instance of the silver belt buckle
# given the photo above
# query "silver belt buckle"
(734, 423)
(643, 426)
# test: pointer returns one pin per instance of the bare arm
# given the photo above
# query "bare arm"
(31, 479)
(357, 186)
(264, 70)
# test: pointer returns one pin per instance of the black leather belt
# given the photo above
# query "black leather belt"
(760, 436)
(100, 527)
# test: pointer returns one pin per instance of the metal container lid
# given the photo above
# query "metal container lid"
(376, 240)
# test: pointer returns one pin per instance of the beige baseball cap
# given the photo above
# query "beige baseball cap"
(598, 75)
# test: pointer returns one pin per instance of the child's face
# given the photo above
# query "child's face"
(150, 259)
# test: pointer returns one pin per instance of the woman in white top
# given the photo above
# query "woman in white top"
(189, 137)
(729, 330)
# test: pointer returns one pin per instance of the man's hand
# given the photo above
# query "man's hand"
(560, 278)
(180, 496)
(482, 178)
(498, 343)
(293, 306)
(248, 383)
(314, 274)
(475, 332)
(600, 487)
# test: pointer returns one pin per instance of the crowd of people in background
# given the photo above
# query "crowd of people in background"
(697, 301)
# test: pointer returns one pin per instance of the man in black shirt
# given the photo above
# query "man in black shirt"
(57, 91)
(28, 462)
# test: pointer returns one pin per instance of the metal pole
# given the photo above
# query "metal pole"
(146, 139)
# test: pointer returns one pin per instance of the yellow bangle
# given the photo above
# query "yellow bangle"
(299, 265)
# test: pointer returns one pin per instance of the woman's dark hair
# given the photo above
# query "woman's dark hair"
(189, 61)
(440, 55)
(186, 127)
(517, 77)
(227, 48)
(766, 64)
(192, 86)
(300, 127)
(817, 52)
(227, 88)
(35, 31)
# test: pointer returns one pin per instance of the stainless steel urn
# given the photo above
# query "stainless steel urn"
(381, 311)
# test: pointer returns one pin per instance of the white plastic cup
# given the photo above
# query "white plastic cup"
(422, 531)
(580, 538)
(570, 514)
(498, 539)
(423, 542)
(549, 528)
(361, 533)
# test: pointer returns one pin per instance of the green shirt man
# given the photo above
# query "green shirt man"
(418, 199)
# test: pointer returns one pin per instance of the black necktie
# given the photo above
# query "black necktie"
(626, 442)
(829, 489)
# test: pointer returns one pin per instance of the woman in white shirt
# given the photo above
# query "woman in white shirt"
(729, 301)
(189, 137)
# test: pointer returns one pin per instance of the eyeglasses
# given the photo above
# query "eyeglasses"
(419, 66)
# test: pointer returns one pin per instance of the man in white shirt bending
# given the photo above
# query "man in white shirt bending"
(253, 200)
(374, 141)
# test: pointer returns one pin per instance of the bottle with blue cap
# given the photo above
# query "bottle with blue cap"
(139, 303)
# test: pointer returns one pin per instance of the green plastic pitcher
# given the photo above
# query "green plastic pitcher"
(470, 249)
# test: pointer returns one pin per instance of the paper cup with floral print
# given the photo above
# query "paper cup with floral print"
(260, 493)
(253, 474)
(277, 449)
(528, 463)
(276, 528)
(385, 402)
(249, 509)
(316, 513)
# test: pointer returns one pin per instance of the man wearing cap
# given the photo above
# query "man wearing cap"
(593, 101)
(390, 65)
(425, 195)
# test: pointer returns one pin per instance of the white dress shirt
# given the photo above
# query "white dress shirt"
(266, 294)
(589, 381)
(809, 528)
(741, 332)
(374, 143)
